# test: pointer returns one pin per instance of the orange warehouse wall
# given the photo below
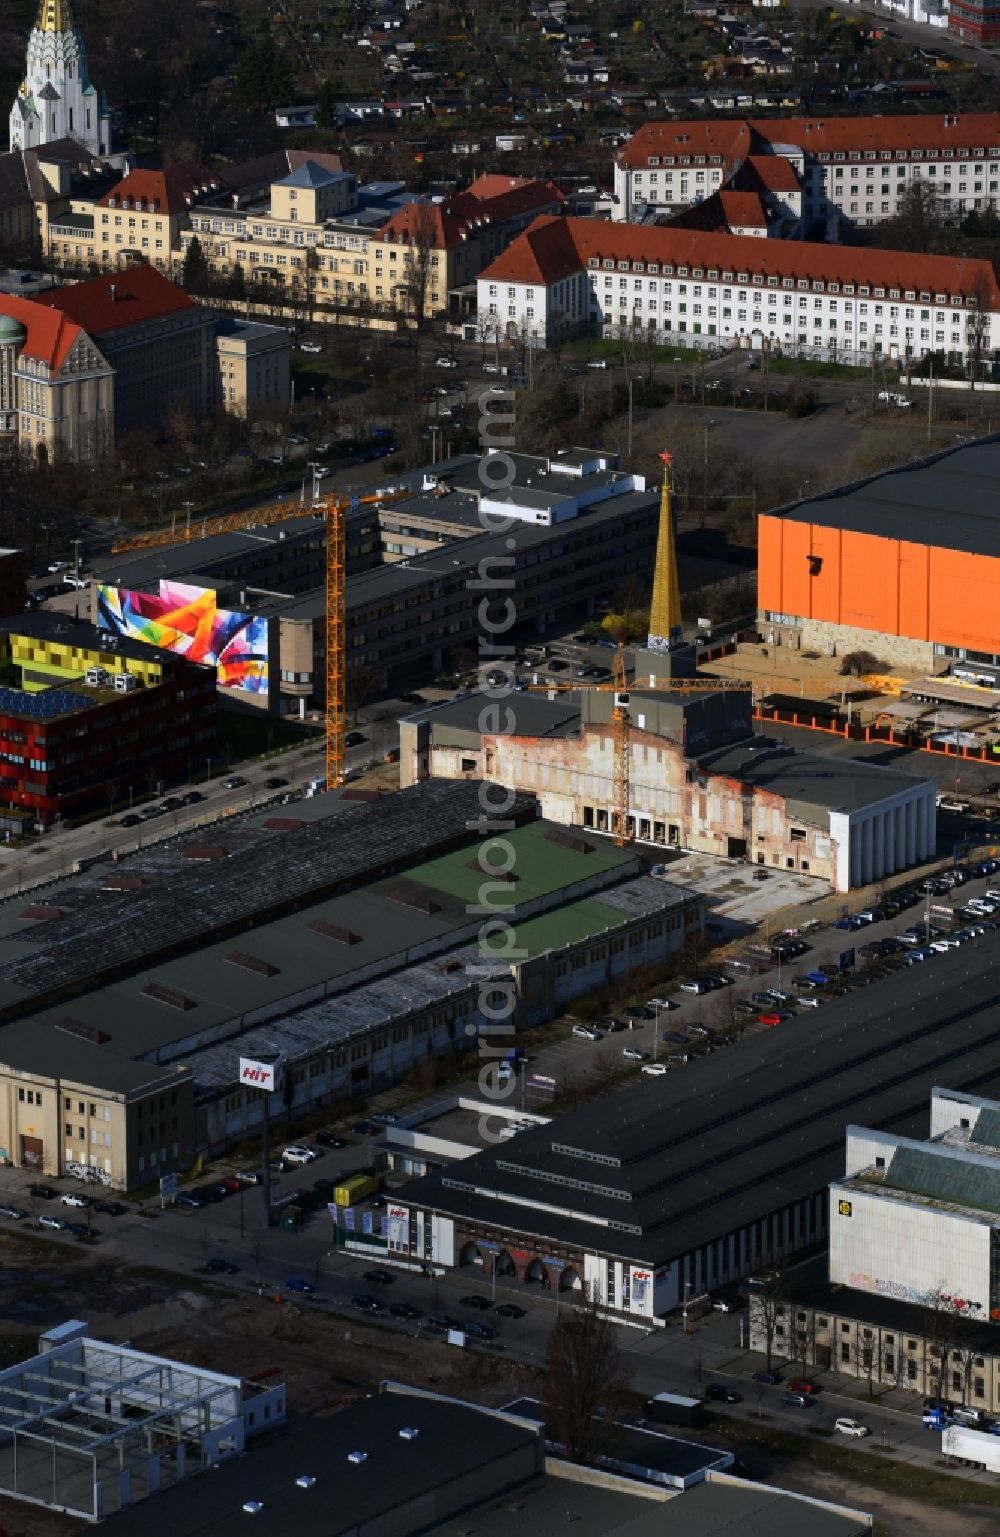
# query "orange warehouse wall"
(870, 583)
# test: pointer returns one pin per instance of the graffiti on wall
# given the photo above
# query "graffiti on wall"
(187, 621)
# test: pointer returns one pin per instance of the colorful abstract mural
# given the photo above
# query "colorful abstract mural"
(187, 621)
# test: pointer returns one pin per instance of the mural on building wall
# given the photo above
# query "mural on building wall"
(187, 620)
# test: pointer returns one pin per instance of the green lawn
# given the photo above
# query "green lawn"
(813, 368)
(255, 735)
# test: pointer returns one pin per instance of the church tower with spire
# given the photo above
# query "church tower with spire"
(56, 99)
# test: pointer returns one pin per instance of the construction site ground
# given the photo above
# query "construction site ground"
(780, 670)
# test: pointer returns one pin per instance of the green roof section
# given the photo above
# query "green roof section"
(542, 864)
(987, 1128)
(959, 1181)
(565, 926)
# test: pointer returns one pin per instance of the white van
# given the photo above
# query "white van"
(849, 1427)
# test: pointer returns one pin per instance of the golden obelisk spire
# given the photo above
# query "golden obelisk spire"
(665, 609)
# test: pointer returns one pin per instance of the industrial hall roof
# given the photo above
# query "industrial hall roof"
(670, 1164)
(209, 883)
(950, 500)
(810, 781)
(373, 1464)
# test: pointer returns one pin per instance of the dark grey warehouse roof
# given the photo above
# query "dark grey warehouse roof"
(670, 1164)
(951, 499)
(454, 1442)
(195, 889)
(810, 780)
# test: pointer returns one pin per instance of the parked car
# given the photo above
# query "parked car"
(444, 362)
(297, 1154)
(14, 1213)
(654, 1069)
(696, 985)
(444, 1321)
(479, 1331)
(663, 1004)
(366, 1303)
(384, 1117)
(849, 1427)
(74, 1198)
(638, 1011)
(111, 1208)
(190, 1198)
(330, 1139)
(633, 1054)
(297, 1283)
(509, 1310)
(220, 1266)
(473, 1300)
(586, 1033)
(234, 782)
(131, 819)
(404, 1310)
(769, 1377)
(802, 1385)
(378, 1277)
(275, 782)
(310, 347)
(58, 1223)
(43, 1192)
(723, 1394)
(365, 1129)
(354, 739)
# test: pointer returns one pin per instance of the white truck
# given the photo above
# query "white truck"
(977, 1447)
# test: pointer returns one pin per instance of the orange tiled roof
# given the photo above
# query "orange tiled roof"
(169, 190)
(556, 247)
(49, 335)
(773, 172)
(117, 299)
(544, 253)
(735, 139)
(698, 136)
(950, 130)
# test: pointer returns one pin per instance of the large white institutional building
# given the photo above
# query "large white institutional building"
(56, 99)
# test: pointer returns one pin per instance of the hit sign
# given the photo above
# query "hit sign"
(259, 1075)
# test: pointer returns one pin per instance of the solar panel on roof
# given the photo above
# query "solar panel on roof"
(42, 706)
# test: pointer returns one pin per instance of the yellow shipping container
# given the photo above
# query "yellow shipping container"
(355, 1189)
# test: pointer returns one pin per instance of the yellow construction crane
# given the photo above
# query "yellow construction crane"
(334, 509)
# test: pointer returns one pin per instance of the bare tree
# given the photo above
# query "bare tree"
(420, 261)
(977, 328)
(767, 1310)
(587, 1380)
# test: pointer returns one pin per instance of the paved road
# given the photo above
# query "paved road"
(61, 849)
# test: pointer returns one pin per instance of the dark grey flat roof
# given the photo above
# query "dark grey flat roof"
(140, 568)
(455, 1442)
(533, 713)
(195, 889)
(724, 1508)
(809, 779)
(672, 1163)
(950, 499)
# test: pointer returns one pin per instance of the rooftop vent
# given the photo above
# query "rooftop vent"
(357, 1457)
(409, 1433)
(305, 1481)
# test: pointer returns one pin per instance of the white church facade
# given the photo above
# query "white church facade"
(56, 99)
